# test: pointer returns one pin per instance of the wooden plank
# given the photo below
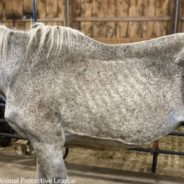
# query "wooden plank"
(51, 19)
(1, 9)
(19, 25)
(110, 27)
(172, 14)
(161, 9)
(157, 25)
(28, 6)
(51, 8)
(59, 23)
(134, 29)
(8, 24)
(181, 16)
(98, 28)
(148, 10)
(14, 24)
(52, 23)
(123, 19)
(58, 19)
(86, 11)
(76, 11)
(28, 24)
(41, 9)
(18, 8)
(40, 20)
(92, 15)
(61, 8)
(8, 5)
(122, 11)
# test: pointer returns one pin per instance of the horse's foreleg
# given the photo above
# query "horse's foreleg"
(47, 139)
(50, 164)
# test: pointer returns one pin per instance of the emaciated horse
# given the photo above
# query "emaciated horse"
(63, 88)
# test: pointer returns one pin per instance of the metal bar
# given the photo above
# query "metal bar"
(68, 13)
(147, 150)
(176, 133)
(176, 16)
(35, 10)
(154, 162)
(66, 153)
(155, 148)
(172, 14)
(11, 135)
(3, 121)
(122, 19)
(150, 150)
(169, 152)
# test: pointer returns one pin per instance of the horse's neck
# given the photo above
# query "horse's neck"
(11, 64)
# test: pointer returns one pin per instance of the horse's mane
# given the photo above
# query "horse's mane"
(4, 39)
(54, 36)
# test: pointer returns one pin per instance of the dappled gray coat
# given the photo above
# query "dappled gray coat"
(63, 88)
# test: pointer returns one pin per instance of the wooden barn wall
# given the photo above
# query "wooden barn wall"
(111, 21)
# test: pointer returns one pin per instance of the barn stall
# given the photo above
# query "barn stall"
(120, 21)
(108, 21)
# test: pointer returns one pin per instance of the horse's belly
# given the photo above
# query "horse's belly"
(85, 141)
(111, 103)
(117, 122)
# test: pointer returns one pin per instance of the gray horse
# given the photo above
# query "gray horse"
(63, 88)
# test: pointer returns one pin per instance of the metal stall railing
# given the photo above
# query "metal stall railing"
(35, 10)
(155, 150)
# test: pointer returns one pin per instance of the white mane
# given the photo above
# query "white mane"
(4, 39)
(54, 36)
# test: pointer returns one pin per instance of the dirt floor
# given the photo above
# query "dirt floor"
(21, 170)
(109, 167)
